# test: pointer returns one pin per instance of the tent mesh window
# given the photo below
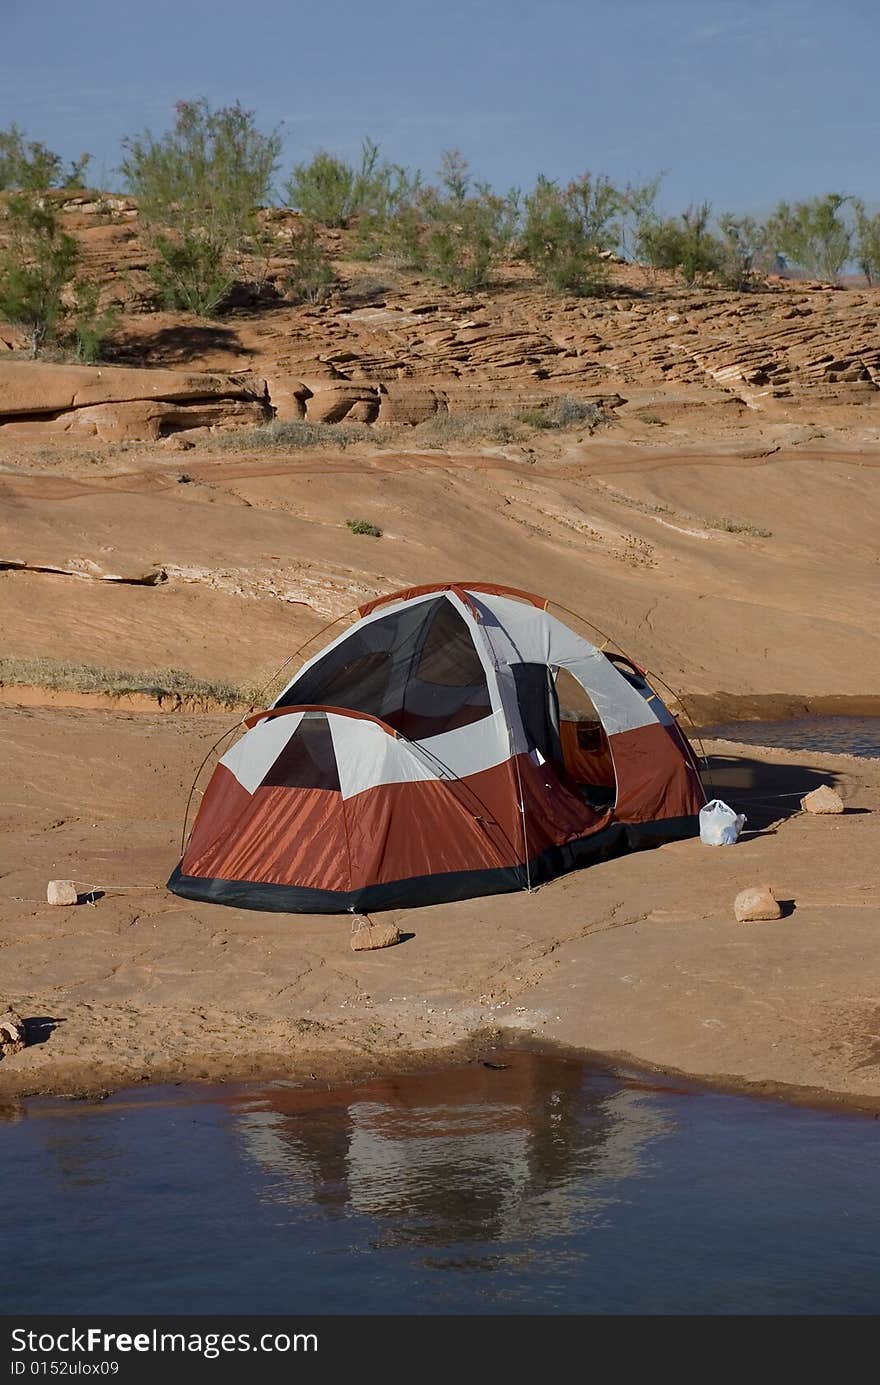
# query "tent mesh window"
(416, 669)
(586, 751)
(538, 708)
(308, 760)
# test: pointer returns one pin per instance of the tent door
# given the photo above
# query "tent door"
(586, 751)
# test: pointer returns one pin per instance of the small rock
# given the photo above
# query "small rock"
(756, 903)
(822, 800)
(12, 1038)
(373, 935)
(61, 892)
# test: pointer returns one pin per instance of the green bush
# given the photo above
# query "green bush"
(198, 189)
(639, 209)
(565, 230)
(363, 526)
(457, 231)
(463, 242)
(466, 227)
(194, 270)
(746, 251)
(324, 190)
(867, 241)
(311, 275)
(29, 166)
(331, 192)
(682, 243)
(813, 235)
(91, 325)
(393, 235)
(37, 264)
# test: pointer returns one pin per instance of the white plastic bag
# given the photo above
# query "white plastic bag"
(720, 825)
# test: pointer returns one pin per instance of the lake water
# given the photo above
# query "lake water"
(546, 1185)
(833, 735)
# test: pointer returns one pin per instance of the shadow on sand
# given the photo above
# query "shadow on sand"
(766, 793)
(178, 345)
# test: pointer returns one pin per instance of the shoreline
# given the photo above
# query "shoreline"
(352, 1074)
(635, 962)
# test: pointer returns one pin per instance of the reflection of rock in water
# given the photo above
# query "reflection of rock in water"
(464, 1155)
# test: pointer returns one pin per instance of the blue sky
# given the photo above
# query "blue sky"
(739, 102)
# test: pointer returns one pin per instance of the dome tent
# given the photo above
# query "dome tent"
(457, 740)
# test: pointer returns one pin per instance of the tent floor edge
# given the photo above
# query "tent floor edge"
(442, 888)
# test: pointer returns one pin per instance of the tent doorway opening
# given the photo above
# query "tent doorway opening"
(586, 752)
(561, 721)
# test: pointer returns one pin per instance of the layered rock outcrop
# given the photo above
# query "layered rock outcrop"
(114, 403)
(335, 399)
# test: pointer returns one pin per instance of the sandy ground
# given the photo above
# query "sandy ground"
(259, 557)
(637, 957)
(727, 543)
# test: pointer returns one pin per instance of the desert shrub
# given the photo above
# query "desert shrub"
(681, 243)
(363, 526)
(293, 435)
(37, 264)
(563, 412)
(195, 270)
(466, 228)
(813, 234)
(29, 166)
(564, 231)
(198, 189)
(456, 231)
(90, 324)
(638, 209)
(745, 251)
(464, 242)
(450, 430)
(311, 275)
(325, 189)
(332, 192)
(394, 236)
(866, 250)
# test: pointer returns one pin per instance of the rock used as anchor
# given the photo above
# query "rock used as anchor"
(755, 904)
(61, 892)
(12, 1037)
(373, 935)
(822, 800)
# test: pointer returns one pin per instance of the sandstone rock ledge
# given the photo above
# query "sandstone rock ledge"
(114, 403)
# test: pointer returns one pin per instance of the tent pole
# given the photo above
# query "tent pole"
(522, 809)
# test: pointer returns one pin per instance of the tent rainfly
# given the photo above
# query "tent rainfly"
(458, 740)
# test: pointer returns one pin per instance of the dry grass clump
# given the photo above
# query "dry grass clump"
(632, 503)
(738, 526)
(564, 412)
(161, 684)
(444, 430)
(294, 435)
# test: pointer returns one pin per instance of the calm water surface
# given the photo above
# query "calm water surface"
(835, 735)
(543, 1186)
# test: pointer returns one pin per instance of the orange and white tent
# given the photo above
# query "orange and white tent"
(458, 740)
